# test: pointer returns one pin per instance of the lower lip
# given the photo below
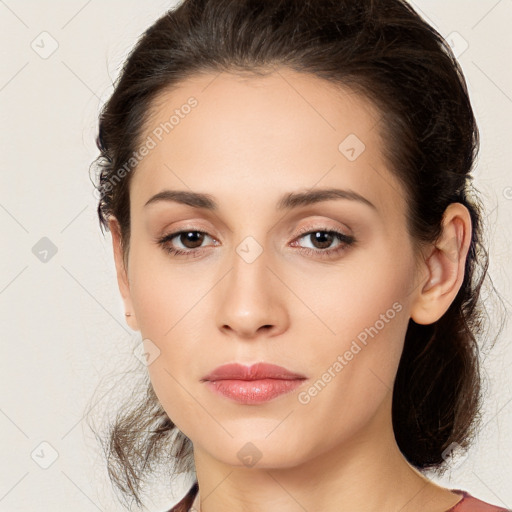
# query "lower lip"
(253, 391)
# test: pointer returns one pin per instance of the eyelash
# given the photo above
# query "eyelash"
(345, 242)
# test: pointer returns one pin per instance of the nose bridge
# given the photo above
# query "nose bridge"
(250, 297)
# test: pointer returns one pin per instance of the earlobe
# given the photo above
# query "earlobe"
(444, 267)
(122, 273)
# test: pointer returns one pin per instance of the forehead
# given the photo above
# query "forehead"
(280, 130)
(284, 102)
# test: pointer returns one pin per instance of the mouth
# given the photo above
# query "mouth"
(254, 384)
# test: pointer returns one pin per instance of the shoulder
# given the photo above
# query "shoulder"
(469, 503)
(186, 502)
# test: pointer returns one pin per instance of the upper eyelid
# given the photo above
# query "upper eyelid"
(317, 224)
(302, 231)
(312, 229)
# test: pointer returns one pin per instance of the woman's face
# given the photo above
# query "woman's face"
(256, 287)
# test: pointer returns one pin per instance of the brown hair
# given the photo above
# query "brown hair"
(385, 51)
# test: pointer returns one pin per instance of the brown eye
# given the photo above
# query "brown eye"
(322, 239)
(184, 243)
(191, 239)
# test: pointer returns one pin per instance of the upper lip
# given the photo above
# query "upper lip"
(255, 372)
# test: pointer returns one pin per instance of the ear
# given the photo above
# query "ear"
(122, 272)
(444, 267)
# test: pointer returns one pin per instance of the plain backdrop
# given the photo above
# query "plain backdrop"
(62, 319)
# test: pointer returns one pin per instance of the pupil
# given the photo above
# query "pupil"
(318, 238)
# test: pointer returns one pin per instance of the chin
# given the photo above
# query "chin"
(256, 452)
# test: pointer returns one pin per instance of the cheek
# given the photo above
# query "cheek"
(368, 341)
(359, 301)
(163, 294)
(366, 310)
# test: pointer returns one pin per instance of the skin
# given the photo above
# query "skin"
(248, 142)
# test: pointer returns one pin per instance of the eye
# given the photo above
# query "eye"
(322, 240)
(190, 239)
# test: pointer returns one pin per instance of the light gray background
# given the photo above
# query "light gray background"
(62, 320)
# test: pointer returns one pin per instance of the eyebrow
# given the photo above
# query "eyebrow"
(286, 202)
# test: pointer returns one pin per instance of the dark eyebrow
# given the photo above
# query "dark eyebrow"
(194, 199)
(287, 202)
(297, 199)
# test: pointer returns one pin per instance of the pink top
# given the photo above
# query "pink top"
(468, 503)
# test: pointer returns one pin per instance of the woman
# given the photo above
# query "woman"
(287, 188)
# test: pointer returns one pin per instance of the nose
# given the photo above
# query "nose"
(252, 300)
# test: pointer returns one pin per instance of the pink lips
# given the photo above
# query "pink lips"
(254, 384)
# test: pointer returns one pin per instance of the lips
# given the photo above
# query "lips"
(258, 371)
(252, 385)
